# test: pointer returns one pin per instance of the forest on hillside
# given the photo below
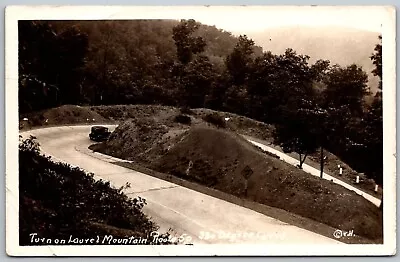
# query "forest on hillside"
(190, 65)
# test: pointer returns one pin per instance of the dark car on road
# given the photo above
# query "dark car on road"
(99, 133)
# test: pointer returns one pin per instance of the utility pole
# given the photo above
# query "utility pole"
(322, 140)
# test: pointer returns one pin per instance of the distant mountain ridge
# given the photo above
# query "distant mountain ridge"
(342, 46)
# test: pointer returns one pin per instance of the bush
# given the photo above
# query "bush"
(215, 119)
(57, 200)
(186, 110)
(183, 119)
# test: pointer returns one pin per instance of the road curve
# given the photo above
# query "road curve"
(204, 219)
(315, 172)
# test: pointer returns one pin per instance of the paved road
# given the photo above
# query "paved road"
(315, 172)
(204, 218)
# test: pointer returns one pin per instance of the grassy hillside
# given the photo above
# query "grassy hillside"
(221, 159)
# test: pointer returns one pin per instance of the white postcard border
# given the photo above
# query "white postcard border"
(15, 13)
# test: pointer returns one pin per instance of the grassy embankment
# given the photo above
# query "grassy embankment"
(223, 160)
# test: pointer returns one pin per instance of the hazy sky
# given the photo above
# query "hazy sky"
(236, 19)
(249, 19)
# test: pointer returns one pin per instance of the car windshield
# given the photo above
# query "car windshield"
(99, 129)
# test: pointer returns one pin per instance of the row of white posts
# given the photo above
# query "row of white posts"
(357, 178)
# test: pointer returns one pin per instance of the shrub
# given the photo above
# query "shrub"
(183, 119)
(215, 119)
(186, 110)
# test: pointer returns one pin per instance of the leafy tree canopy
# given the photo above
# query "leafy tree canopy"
(376, 58)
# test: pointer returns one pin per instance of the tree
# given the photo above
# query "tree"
(196, 81)
(346, 87)
(186, 44)
(110, 68)
(239, 61)
(236, 100)
(73, 47)
(261, 88)
(319, 70)
(34, 64)
(287, 85)
(343, 100)
(373, 122)
(218, 91)
(377, 61)
(50, 64)
(298, 131)
(194, 74)
(278, 81)
(365, 142)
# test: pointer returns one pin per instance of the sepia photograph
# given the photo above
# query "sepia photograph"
(200, 130)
